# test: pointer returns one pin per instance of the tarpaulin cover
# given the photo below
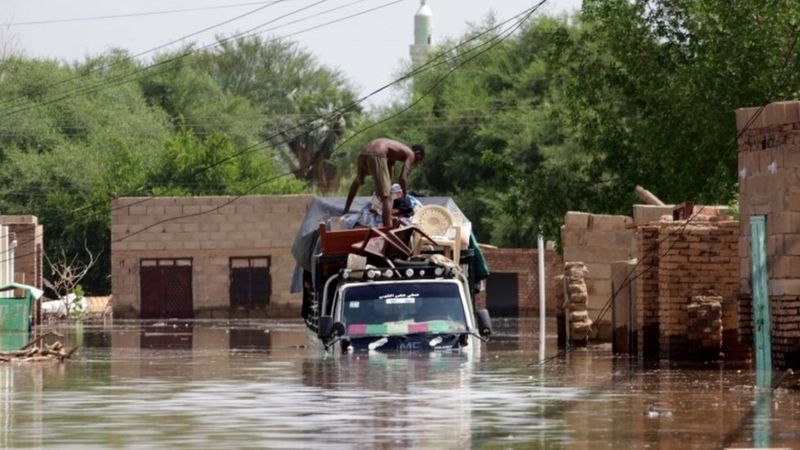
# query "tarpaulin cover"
(323, 208)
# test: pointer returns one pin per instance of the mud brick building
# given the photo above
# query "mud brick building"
(769, 185)
(597, 240)
(656, 265)
(680, 262)
(512, 289)
(204, 257)
(28, 250)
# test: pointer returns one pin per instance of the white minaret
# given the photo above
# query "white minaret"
(423, 34)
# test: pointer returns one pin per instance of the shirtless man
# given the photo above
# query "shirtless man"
(377, 160)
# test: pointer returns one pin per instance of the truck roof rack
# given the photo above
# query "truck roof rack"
(400, 273)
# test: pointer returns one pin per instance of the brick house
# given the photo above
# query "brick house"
(204, 257)
(512, 289)
(211, 257)
(26, 242)
(769, 186)
(678, 263)
(597, 240)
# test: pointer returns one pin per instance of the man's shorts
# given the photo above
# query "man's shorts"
(378, 168)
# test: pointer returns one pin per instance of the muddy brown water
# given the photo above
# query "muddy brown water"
(257, 385)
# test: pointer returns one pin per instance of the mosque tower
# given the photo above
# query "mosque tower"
(423, 34)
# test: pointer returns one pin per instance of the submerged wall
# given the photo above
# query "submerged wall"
(769, 185)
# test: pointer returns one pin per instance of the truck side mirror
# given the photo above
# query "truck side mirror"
(484, 322)
(338, 329)
(325, 330)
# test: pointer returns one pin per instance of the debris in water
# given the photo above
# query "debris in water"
(31, 352)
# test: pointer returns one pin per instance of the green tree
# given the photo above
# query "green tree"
(490, 122)
(303, 102)
(653, 86)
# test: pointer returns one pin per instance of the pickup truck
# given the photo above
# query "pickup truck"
(396, 302)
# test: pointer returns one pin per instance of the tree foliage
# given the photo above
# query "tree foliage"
(574, 112)
(568, 113)
(74, 136)
(306, 106)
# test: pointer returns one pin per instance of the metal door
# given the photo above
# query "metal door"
(502, 295)
(761, 314)
(166, 288)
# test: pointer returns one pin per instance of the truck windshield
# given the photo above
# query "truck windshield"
(403, 308)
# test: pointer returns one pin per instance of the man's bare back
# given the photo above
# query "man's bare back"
(393, 151)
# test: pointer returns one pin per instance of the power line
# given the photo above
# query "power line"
(124, 78)
(131, 58)
(627, 281)
(122, 16)
(429, 64)
(436, 61)
(309, 165)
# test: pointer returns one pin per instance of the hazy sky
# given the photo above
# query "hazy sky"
(370, 49)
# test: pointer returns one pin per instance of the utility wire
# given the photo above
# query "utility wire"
(437, 61)
(309, 165)
(145, 52)
(627, 282)
(434, 62)
(431, 63)
(122, 16)
(121, 79)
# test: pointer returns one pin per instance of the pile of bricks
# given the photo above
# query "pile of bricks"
(704, 329)
(578, 320)
(769, 185)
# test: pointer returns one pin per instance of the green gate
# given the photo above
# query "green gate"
(761, 316)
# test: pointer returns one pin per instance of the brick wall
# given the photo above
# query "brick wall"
(769, 185)
(210, 233)
(598, 240)
(525, 263)
(680, 262)
(700, 259)
(28, 256)
(646, 279)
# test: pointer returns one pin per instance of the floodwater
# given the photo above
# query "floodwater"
(255, 384)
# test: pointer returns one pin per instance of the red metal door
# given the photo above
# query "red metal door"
(166, 289)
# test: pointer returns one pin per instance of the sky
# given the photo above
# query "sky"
(370, 49)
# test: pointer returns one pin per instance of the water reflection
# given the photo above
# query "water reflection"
(256, 384)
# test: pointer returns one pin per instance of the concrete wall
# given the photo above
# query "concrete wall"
(598, 240)
(525, 263)
(28, 254)
(209, 230)
(769, 185)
